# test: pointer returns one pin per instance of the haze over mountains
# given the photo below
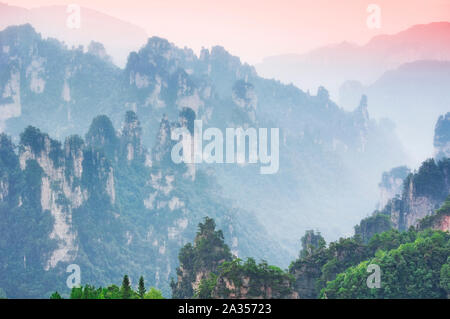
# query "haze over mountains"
(332, 65)
(116, 193)
(413, 96)
(396, 72)
(331, 160)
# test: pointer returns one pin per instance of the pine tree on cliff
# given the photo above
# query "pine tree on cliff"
(311, 242)
(200, 259)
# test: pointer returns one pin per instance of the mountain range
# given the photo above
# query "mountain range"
(86, 175)
(325, 152)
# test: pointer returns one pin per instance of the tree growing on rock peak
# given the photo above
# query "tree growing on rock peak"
(197, 261)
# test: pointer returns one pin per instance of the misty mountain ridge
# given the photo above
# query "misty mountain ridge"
(404, 75)
(331, 65)
(413, 95)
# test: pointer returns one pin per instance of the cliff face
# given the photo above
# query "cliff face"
(252, 281)
(423, 193)
(61, 191)
(306, 273)
(440, 220)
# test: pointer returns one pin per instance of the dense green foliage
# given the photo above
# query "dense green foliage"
(413, 270)
(314, 272)
(414, 264)
(444, 281)
(113, 292)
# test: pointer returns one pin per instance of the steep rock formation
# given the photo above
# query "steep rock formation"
(249, 280)
(208, 270)
(391, 184)
(198, 261)
(423, 193)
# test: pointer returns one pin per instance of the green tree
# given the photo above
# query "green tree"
(153, 293)
(141, 288)
(206, 287)
(76, 293)
(55, 295)
(126, 288)
(112, 292)
(413, 270)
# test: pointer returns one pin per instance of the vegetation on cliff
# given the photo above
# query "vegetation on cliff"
(208, 270)
(416, 269)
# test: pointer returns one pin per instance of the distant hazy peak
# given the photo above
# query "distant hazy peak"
(442, 137)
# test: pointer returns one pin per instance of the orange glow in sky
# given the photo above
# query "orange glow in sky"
(255, 29)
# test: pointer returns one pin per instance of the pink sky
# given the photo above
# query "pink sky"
(255, 29)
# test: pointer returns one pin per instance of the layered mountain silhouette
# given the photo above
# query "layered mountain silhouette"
(404, 75)
(413, 96)
(332, 65)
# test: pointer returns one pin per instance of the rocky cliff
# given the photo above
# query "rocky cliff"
(209, 270)
(423, 193)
